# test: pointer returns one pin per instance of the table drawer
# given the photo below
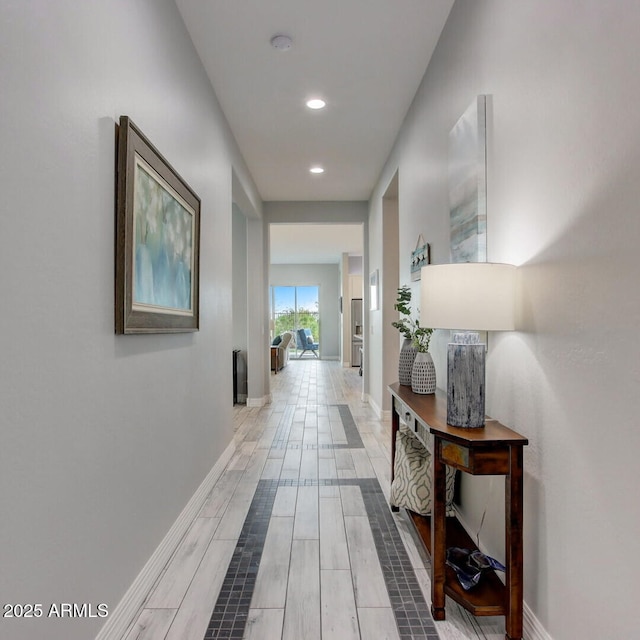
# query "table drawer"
(478, 461)
(405, 414)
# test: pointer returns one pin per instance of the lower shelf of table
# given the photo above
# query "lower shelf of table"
(489, 596)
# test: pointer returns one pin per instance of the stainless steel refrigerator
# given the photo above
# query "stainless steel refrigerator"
(357, 334)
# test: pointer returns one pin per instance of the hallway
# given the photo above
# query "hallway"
(296, 540)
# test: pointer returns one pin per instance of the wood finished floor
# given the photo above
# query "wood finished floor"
(319, 576)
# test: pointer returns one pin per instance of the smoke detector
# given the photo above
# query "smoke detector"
(281, 43)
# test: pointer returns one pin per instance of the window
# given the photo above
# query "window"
(294, 308)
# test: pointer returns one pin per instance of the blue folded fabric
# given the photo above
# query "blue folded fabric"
(469, 565)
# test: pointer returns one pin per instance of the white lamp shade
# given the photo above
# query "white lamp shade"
(471, 296)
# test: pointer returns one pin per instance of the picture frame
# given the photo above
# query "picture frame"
(374, 291)
(420, 257)
(157, 245)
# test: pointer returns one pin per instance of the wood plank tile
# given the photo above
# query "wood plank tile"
(334, 553)
(339, 616)
(285, 502)
(418, 558)
(271, 582)
(263, 624)
(310, 436)
(220, 495)
(191, 620)
(241, 457)
(327, 468)
(292, 459)
(352, 502)
(382, 470)
(370, 588)
(255, 466)
(362, 464)
(309, 465)
(377, 624)
(306, 519)
(344, 460)
(302, 611)
(272, 469)
(234, 516)
(296, 434)
(337, 432)
(152, 624)
(266, 439)
(372, 445)
(170, 590)
(329, 491)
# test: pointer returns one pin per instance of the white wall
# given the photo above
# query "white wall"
(338, 212)
(384, 341)
(104, 438)
(327, 277)
(563, 145)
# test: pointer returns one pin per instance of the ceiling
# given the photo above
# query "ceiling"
(365, 58)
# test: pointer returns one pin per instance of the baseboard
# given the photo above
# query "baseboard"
(121, 618)
(376, 409)
(381, 414)
(532, 628)
(256, 403)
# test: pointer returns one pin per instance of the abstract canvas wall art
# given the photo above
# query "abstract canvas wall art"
(157, 241)
(468, 185)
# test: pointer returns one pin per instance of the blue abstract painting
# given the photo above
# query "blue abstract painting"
(164, 233)
(467, 185)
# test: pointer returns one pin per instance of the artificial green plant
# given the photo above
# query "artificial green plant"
(409, 327)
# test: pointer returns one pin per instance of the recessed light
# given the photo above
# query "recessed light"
(281, 42)
(316, 170)
(316, 103)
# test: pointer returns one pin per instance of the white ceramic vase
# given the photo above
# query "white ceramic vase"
(423, 374)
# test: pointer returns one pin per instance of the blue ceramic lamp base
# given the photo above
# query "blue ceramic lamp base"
(465, 381)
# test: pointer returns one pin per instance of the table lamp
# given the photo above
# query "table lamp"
(467, 297)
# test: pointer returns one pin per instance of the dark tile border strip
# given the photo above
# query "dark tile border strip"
(231, 612)
(354, 441)
(409, 606)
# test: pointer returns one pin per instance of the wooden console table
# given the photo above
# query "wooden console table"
(490, 450)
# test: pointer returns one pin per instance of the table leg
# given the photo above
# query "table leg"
(438, 531)
(395, 425)
(513, 544)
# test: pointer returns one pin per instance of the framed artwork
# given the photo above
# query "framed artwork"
(157, 241)
(374, 291)
(468, 185)
(420, 257)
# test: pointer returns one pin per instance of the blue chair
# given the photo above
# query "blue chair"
(305, 342)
